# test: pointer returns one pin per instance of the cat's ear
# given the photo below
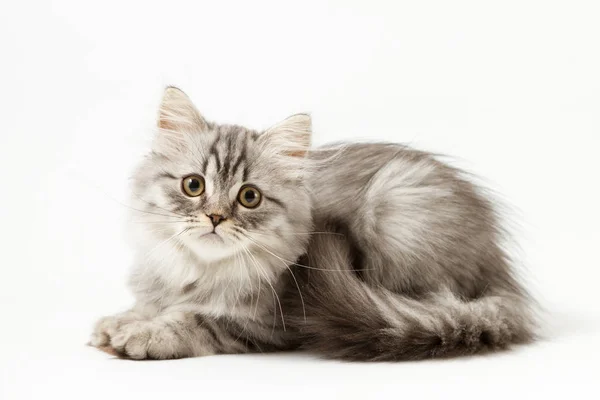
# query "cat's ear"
(291, 137)
(177, 119)
(177, 112)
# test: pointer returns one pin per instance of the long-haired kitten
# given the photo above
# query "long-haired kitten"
(250, 241)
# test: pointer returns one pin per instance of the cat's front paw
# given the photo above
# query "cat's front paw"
(105, 328)
(142, 340)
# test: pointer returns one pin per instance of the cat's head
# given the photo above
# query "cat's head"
(222, 190)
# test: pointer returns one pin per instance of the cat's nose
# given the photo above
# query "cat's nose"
(215, 218)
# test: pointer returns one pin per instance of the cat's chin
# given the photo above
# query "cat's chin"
(210, 246)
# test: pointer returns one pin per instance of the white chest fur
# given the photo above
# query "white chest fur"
(232, 286)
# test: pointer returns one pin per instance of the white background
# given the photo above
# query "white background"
(510, 88)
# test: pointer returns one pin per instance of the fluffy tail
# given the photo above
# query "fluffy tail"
(343, 317)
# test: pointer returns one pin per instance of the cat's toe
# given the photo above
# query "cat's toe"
(103, 330)
(99, 339)
(132, 340)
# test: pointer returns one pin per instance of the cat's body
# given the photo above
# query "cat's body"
(362, 251)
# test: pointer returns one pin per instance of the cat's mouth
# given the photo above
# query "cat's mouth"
(211, 236)
(206, 234)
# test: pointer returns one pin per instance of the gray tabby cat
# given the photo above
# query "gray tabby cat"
(251, 242)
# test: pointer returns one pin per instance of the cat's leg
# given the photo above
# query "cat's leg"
(177, 334)
(108, 326)
(162, 337)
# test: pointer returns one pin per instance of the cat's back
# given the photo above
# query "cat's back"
(348, 177)
(407, 214)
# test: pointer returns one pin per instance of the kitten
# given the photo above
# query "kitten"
(251, 241)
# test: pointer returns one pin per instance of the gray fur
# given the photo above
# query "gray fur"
(357, 251)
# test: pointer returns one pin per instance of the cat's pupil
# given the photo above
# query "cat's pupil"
(250, 196)
(194, 184)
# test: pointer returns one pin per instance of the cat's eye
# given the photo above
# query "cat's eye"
(249, 196)
(193, 185)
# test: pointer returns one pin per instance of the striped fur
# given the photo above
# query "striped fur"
(349, 319)
(356, 251)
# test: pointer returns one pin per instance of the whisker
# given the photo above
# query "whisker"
(251, 299)
(99, 189)
(154, 249)
(237, 297)
(149, 212)
(159, 222)
(235, 234)
(291, 272)
(175, 236)
(157, 206)
(295, 263)
(257, 264)
(300, 233)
